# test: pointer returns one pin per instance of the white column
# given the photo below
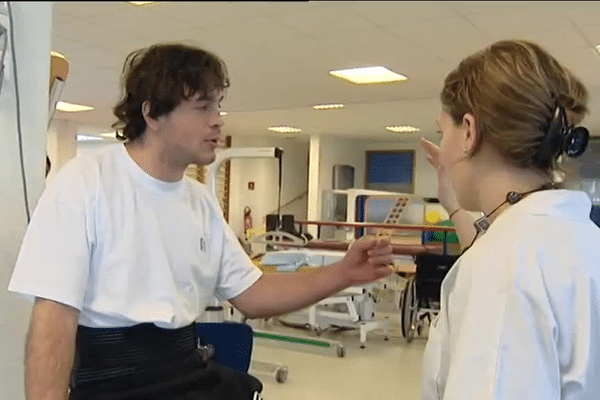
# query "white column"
(32, 32)
(314, 183)
(62, 143)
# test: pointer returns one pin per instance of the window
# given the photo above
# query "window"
(391, 171)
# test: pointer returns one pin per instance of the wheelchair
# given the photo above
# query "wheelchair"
(230, 344)
(420, 299)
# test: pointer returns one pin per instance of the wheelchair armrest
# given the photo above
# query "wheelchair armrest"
(232, 343)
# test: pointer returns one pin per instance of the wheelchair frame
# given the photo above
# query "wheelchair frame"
(415, 304)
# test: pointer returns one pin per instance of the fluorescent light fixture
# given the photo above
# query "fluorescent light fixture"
(85, 138)
(598, 48)
(140, 3)
(364, 75)
(68, 107)
(328, 106)
(223, 113)
(284, 129)
(402, 129)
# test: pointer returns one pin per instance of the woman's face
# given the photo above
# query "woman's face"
(454, 158)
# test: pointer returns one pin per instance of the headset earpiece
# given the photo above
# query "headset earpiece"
(576, 141)
(561, 138)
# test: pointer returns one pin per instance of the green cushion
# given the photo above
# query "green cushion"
(439, 236)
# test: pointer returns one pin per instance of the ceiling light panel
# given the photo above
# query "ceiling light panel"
(368, 75)
(328, 106)
(88, 138)
(402, 129)
(69, 107)
(284, 129)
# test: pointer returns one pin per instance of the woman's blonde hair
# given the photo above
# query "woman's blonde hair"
(513, 89)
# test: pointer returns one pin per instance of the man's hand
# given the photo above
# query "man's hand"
(366, 260)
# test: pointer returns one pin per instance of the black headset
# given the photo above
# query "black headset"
(562, 138)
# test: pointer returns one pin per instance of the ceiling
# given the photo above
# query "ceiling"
(279, 53)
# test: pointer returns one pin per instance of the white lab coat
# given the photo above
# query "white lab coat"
(520, 310)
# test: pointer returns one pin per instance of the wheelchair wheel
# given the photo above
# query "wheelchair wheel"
(409, 310)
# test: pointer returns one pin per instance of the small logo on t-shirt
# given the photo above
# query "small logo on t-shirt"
(202, 245)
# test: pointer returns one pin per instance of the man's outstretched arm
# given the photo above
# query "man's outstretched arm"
(275, 294)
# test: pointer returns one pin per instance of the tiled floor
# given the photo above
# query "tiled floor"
(383, 370)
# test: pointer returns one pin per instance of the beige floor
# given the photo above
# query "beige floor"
(383, 370)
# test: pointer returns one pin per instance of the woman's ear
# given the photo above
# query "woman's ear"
(471, 138)
(150, 122)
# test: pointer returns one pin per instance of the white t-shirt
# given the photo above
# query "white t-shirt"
(520, 310)
(125, 248)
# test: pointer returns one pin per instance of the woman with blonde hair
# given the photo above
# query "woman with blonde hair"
(520, 309)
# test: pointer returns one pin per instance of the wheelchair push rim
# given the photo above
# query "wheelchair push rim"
(409, 310)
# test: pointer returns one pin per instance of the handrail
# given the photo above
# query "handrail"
(358, 225)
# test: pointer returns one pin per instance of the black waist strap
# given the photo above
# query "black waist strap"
(104, 353)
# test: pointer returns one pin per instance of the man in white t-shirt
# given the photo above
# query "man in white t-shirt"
(124, 252)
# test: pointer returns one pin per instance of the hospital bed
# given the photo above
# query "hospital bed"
(352, 308)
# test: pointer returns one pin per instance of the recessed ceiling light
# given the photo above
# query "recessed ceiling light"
(368, 75)
(328, 106)
(85, 138)
(223, 113)
(284, 129)
(402, 129)
(68, 107)
(140, 3)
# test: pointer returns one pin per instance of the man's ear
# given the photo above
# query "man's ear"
(150, 122)
(471, 138)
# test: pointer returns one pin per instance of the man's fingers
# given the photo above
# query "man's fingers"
(367, 244)
(383, 271)
(381, 260)
(380, 250)
(382, 242)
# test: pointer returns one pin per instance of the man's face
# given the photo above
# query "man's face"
(192, 131)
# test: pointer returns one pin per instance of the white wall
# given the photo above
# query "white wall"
(264, 173)
(352, 152)
(61, 144)
(33, 24)
(92, 146)
(336, 150)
